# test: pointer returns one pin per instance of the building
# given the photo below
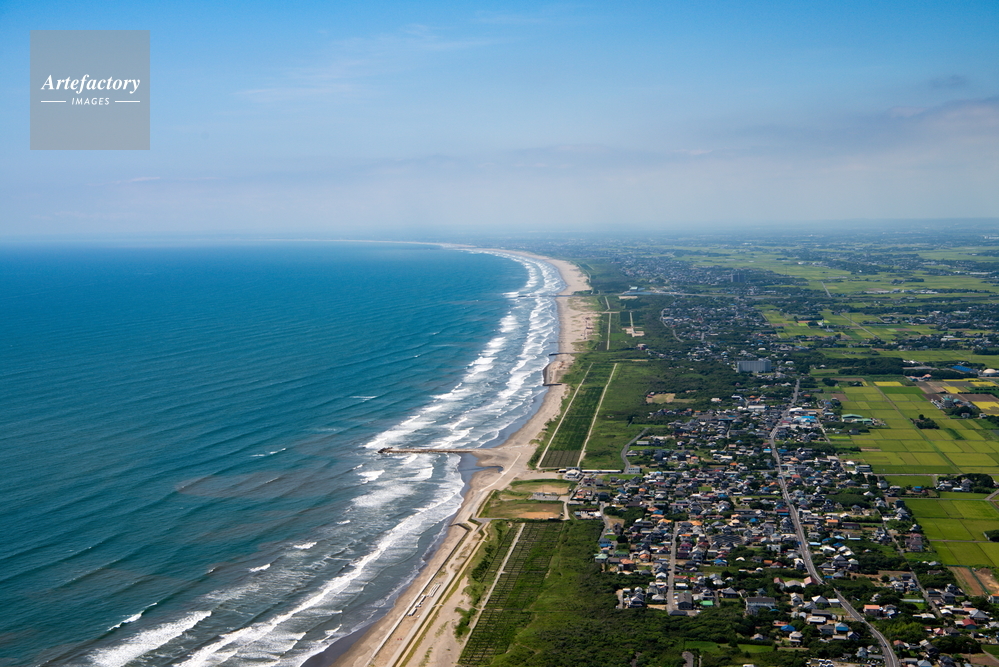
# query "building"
(758, 366)
(754, 604)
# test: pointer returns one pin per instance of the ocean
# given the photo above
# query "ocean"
(190, 436)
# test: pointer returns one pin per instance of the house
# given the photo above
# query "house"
(754, 604)
(873, 610)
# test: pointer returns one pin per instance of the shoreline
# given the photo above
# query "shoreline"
(397, 634)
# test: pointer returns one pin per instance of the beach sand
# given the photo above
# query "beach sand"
(426, 637)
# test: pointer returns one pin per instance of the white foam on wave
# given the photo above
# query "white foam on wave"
(381, 495)
(269, 638)
(276, 451)
(343, 523)
(148, 640)
(490, 397)
(421, 475)
(132, 619)
(260, 568)
(475, 411)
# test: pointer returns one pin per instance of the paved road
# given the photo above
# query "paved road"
(671, 585)
(891, 660)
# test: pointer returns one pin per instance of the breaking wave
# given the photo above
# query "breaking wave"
(321, 587)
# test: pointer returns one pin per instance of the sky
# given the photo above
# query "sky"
(400, 119)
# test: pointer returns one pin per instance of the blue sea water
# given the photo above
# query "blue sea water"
(190, 434)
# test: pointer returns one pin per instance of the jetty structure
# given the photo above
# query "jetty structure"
(547, 372)
(423, 450)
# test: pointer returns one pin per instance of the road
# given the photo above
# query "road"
(891, 660)
(671, 585)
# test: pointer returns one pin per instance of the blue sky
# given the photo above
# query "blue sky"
(347, 118)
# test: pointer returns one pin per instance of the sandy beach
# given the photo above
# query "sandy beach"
(419, 629)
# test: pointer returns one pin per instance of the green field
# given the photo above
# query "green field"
(962, 520)
(516, 589)
(968, 553)
(959, 445)
(953, 509)
(955, 523)
(954, 529)
(910, 480)
(569, 434)
(612, 429)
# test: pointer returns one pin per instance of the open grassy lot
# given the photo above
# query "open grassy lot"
(510, 504)
(541, 486)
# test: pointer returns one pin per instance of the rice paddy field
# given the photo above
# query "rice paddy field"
(848, 357)
(970, 554)
(955, 523)
(899, 448)
(839, 282)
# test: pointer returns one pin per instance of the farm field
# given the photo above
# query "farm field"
(953, 509)
(910, 480)
(908, 456)
(840, 282)
(899, 448)
(516, 589)
(956, 529)
(970, 554)
(926, 356)
(569, 434)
